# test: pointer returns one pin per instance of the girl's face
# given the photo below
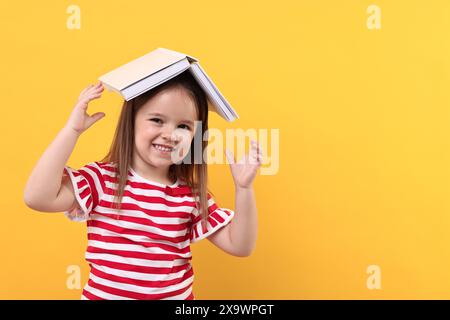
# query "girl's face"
(164, 126)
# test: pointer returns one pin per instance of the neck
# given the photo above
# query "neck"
(150, 172)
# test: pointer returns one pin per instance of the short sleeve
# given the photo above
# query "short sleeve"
(217, 218)
(88, 186)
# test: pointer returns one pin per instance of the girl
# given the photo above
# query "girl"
(143, 210)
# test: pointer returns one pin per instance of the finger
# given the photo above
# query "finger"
(85, 90)
(98, 115)
(258, 146)
(94, 91)
(255, 159)
(94, 118)
(85, 102)
(253, 155)
(252, 158)
(255, 151)
(93, 86)
(260, 153)
(99, 86)
(95, 96)
(259, 149)
(256, 154)
(96, 86)
(229, 156)
(255, 145)
(260, 158)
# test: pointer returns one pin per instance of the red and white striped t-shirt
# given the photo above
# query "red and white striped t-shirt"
(144, 251)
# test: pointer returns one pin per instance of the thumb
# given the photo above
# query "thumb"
(94, 118)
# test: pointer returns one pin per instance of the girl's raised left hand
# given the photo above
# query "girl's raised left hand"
(244, 171)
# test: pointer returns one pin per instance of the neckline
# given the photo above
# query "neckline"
(162, 185)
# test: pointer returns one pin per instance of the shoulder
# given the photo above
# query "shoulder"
(105, 165)
(105, 168)
(99, 171)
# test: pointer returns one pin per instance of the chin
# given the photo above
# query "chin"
(158, 162)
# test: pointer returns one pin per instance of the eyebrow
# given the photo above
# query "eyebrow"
(163, 116)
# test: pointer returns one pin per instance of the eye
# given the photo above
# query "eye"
(156, 120)
(184, 126)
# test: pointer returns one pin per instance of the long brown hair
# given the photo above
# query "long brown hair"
(193, 173)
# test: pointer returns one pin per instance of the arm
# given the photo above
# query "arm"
(46, 189)
(238, 238)
(44, 183)
(244, 226)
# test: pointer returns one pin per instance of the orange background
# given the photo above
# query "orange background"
(363, 115)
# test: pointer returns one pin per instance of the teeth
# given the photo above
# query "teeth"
(157, 146)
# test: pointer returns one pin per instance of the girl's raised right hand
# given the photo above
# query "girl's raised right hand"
(79, 120)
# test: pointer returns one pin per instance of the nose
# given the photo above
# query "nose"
(168, 134)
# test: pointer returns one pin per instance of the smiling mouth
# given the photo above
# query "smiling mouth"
(162, 148)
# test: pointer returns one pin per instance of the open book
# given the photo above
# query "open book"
(142, 74)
